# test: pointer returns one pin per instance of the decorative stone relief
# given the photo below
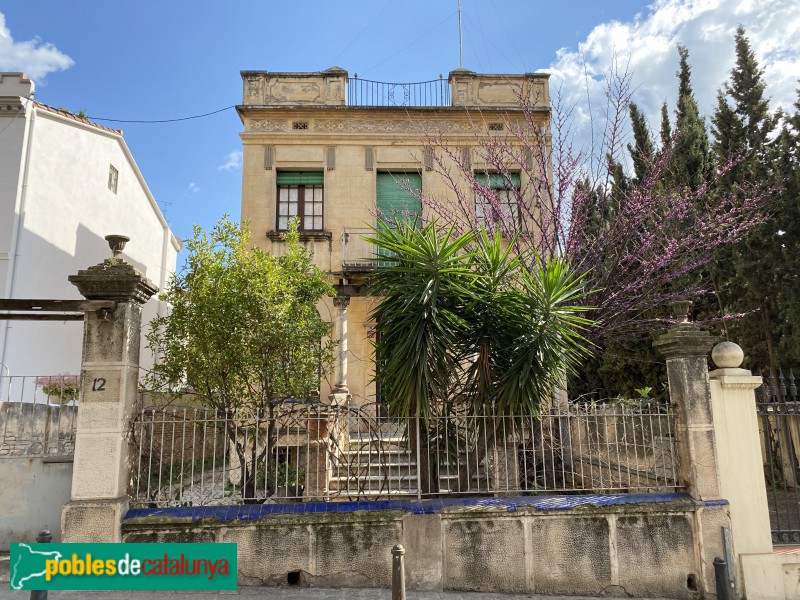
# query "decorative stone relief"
(335, 90)
(497, 93)
(391, 126)
(538, 94)
(267, 125)
(255, 90)
(291, 92)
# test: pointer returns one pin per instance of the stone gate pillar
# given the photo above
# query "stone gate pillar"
(686, 349)
(109, 389)
(742, 473)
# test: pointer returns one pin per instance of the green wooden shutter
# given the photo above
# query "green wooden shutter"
(393, 200)
(497, 180)
(300, 178)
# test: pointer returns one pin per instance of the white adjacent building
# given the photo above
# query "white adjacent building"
(66, 183)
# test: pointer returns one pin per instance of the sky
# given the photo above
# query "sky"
(157, 59)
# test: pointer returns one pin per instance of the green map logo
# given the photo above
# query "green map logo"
(29, 564)
(122, 567)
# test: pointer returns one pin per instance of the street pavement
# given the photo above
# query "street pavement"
(292, 593)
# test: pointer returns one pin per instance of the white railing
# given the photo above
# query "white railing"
(357, 253)
(38, 415)
(305, 452)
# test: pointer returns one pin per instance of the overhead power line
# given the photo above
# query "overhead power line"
(161, 120)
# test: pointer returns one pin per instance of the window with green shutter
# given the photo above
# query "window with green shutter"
(398, 196)
(300, 195)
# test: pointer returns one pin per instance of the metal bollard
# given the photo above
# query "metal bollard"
(398, 573)
(721, 575)
(44, 537)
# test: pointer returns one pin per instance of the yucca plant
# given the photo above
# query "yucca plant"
(462, 318)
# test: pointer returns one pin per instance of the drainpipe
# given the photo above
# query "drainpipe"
(161, 306)
(27, 141)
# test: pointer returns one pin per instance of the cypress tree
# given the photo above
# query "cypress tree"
(690, 158)
(666, 129)
(748, 275)
(643, 151)
(787, 165)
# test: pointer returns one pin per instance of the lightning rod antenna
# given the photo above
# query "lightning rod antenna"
(460, 54)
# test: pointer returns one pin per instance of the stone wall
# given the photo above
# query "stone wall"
(37, 429)
(645, 549)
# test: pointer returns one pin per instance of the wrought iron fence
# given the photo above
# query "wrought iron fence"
(363, 92)
(317, 452)
(38, 415)
(779, 426)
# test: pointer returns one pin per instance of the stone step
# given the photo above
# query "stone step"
(372, 494)
(387, 481)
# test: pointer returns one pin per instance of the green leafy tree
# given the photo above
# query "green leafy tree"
(463, 321)
(243, 334)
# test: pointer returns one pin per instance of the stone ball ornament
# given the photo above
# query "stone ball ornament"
(727, 355)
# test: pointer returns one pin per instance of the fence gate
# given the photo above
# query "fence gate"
(779, 427)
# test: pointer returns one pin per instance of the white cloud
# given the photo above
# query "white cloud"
(647, 44)
(192, 189)
(233, 161)
(34, 57)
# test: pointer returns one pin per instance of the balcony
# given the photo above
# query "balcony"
(358, 255)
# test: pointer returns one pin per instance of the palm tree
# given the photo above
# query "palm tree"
(463, 321)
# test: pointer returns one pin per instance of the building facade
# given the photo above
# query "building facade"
(66, 183)
(337, 151)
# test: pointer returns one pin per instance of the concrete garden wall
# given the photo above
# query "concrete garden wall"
(33, 490)
(563, 545)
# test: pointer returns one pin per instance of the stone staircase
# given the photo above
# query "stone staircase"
(384, 467)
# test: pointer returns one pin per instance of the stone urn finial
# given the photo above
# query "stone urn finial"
(680, 310)
(117, 245)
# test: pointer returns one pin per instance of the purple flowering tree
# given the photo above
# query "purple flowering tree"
(641, 242)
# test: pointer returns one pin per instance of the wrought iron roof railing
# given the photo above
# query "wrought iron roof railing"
(363, 92)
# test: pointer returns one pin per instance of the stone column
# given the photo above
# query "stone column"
(340, 396)
(341, 303)
(109, 389)
(686, 347)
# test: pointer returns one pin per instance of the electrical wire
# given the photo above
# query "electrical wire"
(509, 37)
(491, 43)
(161, 120)
(412, 42)
(367, 26)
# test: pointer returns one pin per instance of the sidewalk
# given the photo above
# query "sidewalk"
(285, 594)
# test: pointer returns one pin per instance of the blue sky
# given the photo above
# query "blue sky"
(159, 59)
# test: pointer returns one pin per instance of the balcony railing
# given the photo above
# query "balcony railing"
(363, 92)
(357, 253)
